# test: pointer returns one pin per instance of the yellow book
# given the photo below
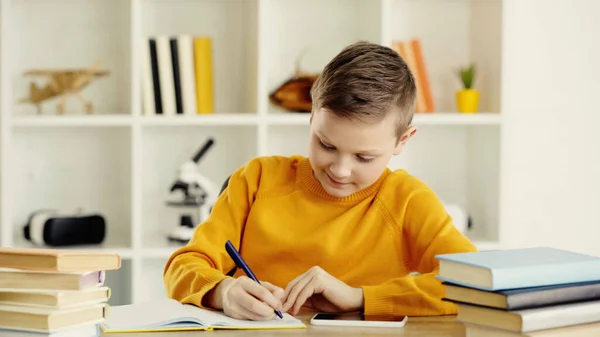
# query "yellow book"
(170, 315)
(204, 74)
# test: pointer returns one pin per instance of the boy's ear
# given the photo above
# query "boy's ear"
(403, 139)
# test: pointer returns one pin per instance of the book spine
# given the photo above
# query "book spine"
(186, 67)
(165, 69)
(559, 316)
(158, 105)
(176, 75)
(149, 107)
(553, 296)
(203, 71)
(545, 275)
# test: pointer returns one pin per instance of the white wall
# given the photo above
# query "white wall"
(551, 154)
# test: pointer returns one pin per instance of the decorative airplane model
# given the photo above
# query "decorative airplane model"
(62, 83)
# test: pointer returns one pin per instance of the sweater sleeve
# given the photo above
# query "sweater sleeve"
(427, 230)
(191, 271)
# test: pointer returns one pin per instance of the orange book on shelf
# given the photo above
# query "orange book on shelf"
(404, 48)
(203, 74)
(424, 84)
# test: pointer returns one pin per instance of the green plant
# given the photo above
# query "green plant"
(466, 75)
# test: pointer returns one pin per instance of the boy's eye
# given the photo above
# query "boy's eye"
(325, 146)
(365, 159)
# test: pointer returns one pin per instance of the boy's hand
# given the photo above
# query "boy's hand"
(319, 290)
(243, 298)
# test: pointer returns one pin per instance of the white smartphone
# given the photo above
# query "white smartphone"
(358, 319)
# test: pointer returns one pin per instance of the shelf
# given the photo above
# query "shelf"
(88, 168)
(122, 163)
(70, 34)
(438, 118)
(111, 245)
(455, 118)
(72, 120)
(292, 118)
(212, 119)
(232, 27)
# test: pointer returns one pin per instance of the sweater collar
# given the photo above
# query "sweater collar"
(307, 181)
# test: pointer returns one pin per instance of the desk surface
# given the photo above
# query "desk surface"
(443, 326)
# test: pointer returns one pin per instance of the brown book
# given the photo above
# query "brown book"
(50, 320)
(57, 260)
(54, 299)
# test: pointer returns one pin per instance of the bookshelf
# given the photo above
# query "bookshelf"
(120, 162)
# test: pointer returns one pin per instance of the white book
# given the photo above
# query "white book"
(149, 108)
(186, 70)
(165, 70)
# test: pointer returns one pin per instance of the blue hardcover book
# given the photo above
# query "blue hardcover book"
(518, 268)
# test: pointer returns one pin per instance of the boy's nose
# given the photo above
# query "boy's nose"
(340, 171)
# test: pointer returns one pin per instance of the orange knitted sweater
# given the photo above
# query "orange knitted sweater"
(284, 222)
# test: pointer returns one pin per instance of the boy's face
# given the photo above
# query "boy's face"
(348, 156)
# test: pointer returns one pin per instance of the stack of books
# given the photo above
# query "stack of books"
(53, 292)
(539, 291)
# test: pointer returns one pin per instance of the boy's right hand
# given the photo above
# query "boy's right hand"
(243, 298)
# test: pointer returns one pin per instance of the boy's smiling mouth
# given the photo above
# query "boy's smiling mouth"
(335, 182)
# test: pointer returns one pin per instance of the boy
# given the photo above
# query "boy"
(337, 231)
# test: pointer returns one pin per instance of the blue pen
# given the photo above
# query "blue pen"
(237, 258)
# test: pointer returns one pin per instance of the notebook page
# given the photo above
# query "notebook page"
(141, 316)
(218, 318)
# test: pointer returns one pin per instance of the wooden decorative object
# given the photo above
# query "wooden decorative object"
(62, 82)
(294, 94)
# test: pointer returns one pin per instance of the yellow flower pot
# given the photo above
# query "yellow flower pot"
(467, 100)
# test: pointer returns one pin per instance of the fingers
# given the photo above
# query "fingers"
(253, 308)
(261, 293)
(304, 294)
(247, 299)
(275, 290)
(294, 289)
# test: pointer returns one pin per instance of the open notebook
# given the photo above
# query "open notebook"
(170, 315)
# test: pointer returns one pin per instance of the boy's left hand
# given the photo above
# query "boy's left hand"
(320, 291)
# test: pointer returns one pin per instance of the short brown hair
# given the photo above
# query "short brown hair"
(364, 82)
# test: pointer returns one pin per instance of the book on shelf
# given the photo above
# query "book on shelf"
(412, 53)
(170, 315)
(538, 291)
(177, 75)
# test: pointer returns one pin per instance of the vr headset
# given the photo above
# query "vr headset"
(49, 228)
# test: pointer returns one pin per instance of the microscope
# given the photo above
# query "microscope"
(191, 190)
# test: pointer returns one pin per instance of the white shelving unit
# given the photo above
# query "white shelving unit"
(121, 163)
